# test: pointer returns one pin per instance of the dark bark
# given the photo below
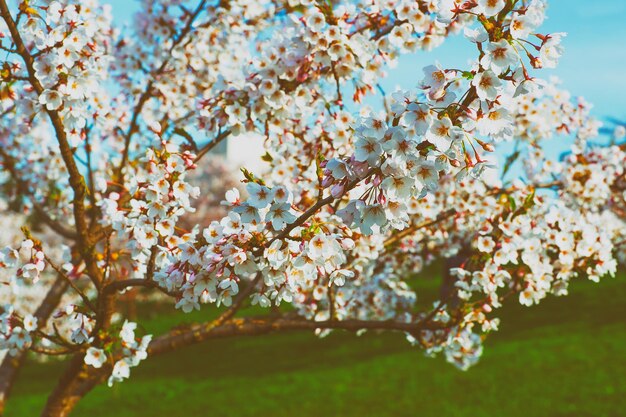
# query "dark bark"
(79, 378)
(197, 333)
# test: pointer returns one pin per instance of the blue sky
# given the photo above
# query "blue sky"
(594, 64)
(595, 55)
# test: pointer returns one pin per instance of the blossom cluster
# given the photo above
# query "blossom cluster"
(25, 264)
(156, 202)
(71, 42)
(540, 254)
(594, 180)
(26, 277)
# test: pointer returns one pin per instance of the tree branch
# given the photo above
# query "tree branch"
(23, 189)
(146, 95)
(137, 282)
(63, 275)
(396, 237)
(313, 209)
(11, 365)
(209, 146)
(256, 326)
(76, 180)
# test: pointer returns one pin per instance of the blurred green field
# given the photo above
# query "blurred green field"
(566, 357)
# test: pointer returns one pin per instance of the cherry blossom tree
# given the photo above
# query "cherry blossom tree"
(104, 127)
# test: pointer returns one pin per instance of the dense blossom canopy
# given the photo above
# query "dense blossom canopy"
(100, 151)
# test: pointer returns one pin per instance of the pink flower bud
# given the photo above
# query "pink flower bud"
(327, 181)
(337, 190)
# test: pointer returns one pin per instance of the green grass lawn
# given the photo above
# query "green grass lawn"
(566, 357)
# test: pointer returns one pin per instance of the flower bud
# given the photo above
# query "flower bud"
(486, 146)
(337, 190)
(327, 181)
(381, 198)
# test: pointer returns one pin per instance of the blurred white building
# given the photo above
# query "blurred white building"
(246, 151)
(243, 151)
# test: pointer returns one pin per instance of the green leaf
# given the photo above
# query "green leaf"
(512, 202)
(529, 201)
(267, 157)
(509, 162)
(249, 177)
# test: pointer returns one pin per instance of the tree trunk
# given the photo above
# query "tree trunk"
(77, 381)
(11, 365)
(79, 378)
(8, 373)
